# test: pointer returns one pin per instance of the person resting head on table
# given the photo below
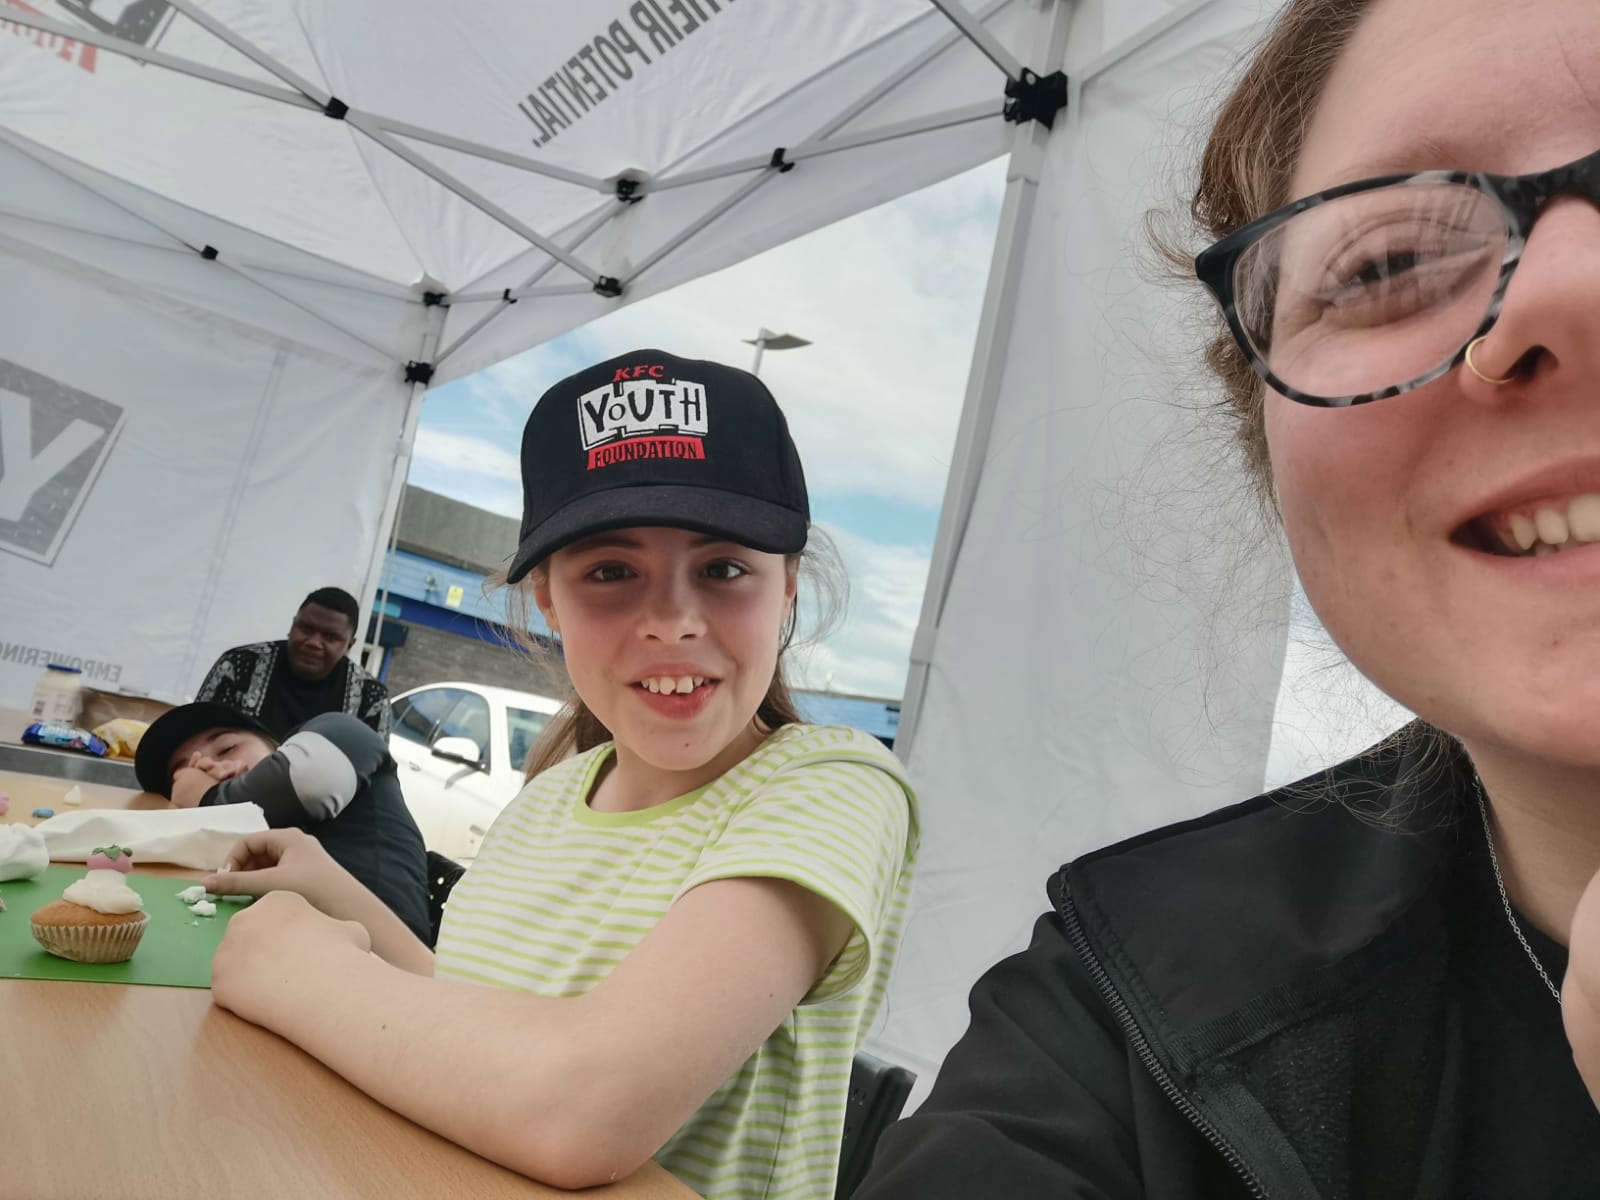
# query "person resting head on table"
(331, 777)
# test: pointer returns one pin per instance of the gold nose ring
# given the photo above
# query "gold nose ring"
(1473, 367)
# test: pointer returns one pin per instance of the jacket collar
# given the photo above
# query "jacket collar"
(1237, 938)
(1203, 921)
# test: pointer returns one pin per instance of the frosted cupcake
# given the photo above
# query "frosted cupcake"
(99, 918)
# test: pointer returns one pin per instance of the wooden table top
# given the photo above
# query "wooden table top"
(147, 1093)
(152, 1093)
(28, 792)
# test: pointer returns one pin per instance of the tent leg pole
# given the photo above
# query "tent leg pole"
(389, 522)
(984, 378)
(377, 611)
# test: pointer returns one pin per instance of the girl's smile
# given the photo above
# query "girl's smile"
(676, 690)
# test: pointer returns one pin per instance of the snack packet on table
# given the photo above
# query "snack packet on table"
(121, 736)
(63, 737)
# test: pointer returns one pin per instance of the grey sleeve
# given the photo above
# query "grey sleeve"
(311, 777)
(268, 785)
(358, 742)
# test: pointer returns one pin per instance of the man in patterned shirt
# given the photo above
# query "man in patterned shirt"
(284, 684)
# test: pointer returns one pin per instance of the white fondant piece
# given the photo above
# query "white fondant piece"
(22, 852)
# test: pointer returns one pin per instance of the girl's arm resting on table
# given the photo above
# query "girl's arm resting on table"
(573, 1092)
(291, 860)
(392, 939)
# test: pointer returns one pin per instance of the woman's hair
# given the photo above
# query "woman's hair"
(575, 729)
(1245, 169)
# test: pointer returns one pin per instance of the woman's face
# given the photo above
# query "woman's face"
(1380, 500)
(671, 637)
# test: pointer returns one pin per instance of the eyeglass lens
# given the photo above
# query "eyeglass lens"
(1371, 290)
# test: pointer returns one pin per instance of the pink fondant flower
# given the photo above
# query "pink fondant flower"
(111, 858)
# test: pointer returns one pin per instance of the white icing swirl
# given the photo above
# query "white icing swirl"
(104, 891)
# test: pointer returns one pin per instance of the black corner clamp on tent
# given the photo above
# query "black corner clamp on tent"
(422, 372)
(1036, 97)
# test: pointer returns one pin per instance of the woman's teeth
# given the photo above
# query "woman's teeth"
(1547, 529)
(666, 685)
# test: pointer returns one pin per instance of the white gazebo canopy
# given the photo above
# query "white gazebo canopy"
(240, 238)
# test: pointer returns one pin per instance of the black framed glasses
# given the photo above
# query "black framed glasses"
(1373, 289)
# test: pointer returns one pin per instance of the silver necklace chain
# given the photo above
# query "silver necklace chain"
(1505, 901)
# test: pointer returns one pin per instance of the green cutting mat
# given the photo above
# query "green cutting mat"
(175, 951)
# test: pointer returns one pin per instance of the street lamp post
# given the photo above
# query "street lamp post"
(766, 340)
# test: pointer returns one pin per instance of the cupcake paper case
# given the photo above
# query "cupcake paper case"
(98, 920)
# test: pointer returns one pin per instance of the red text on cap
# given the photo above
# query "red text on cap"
(626, 373)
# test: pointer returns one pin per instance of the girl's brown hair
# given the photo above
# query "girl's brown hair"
(1248, 161)
(575, 729)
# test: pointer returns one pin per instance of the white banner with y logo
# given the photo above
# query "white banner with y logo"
(132, 429)
(47, 431)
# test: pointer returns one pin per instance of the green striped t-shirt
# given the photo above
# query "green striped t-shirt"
(559, 894)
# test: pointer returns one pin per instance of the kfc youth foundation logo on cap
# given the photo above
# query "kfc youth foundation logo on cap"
(647, 454)
(643, 413)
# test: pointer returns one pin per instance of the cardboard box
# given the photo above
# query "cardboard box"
(100, 707)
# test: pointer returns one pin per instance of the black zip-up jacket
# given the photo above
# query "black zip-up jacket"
(1254, 1003)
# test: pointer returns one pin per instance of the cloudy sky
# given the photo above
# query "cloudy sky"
(890, 300)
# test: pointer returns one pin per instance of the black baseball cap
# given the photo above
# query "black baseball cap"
(152, 760)
(648, 438)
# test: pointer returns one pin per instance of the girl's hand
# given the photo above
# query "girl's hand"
(282, 860)
(257, 970)
(1580, 991)
(198, 776)
(189, 787)
(219, 771)
(289, 860)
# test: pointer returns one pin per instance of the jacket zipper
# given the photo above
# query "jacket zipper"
(1141, 1046)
